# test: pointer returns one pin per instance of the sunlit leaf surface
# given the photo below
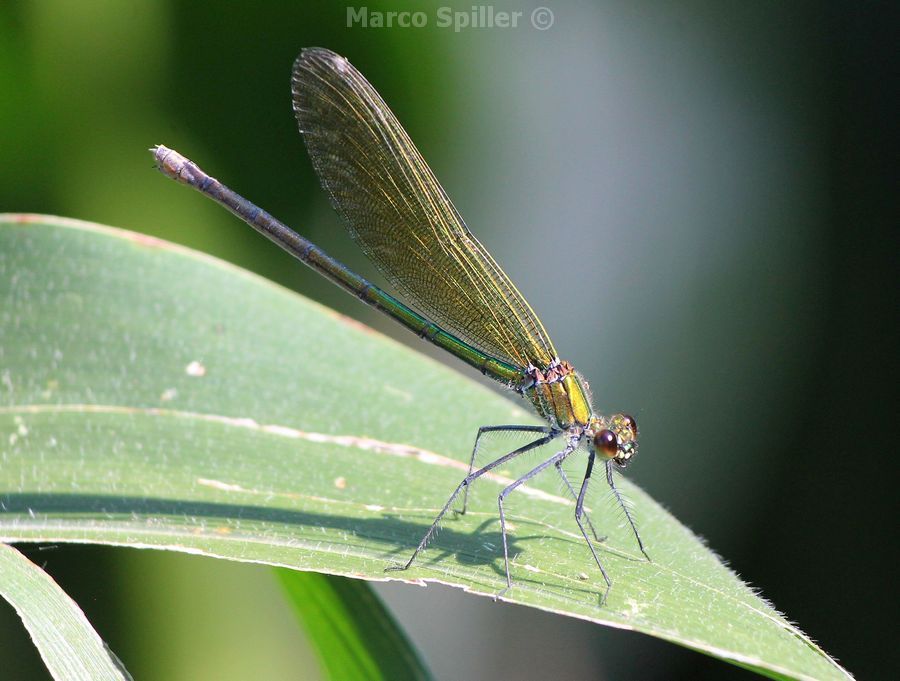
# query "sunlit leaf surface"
(152, 396)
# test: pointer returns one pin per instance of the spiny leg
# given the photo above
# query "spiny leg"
(465, 483)
(546, 430)
(525, 478)
(612, 485)
(523, 429)
(579, 511)
(565, 478)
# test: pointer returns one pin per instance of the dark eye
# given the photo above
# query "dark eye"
(631, 424)
(606, 443)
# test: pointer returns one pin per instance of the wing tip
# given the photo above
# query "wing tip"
(310, 57)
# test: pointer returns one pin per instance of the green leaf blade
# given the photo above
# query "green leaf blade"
(354, 634)
(157, 397)
(69, 646)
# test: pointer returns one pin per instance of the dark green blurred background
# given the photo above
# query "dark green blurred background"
(692, 197)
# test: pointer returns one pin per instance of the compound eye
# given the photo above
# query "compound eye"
(631, 424)
(606, 443)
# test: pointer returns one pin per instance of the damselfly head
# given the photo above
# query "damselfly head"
(615, 438)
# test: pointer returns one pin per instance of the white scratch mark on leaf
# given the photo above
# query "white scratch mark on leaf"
(350, 441)
(218, 484)
(195, 369)
(283, 431)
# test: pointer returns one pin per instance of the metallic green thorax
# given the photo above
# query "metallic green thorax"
(559, 395)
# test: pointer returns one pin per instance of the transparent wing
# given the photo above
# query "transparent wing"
(402, 218)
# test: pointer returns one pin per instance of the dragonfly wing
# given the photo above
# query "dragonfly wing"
(402, 218)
